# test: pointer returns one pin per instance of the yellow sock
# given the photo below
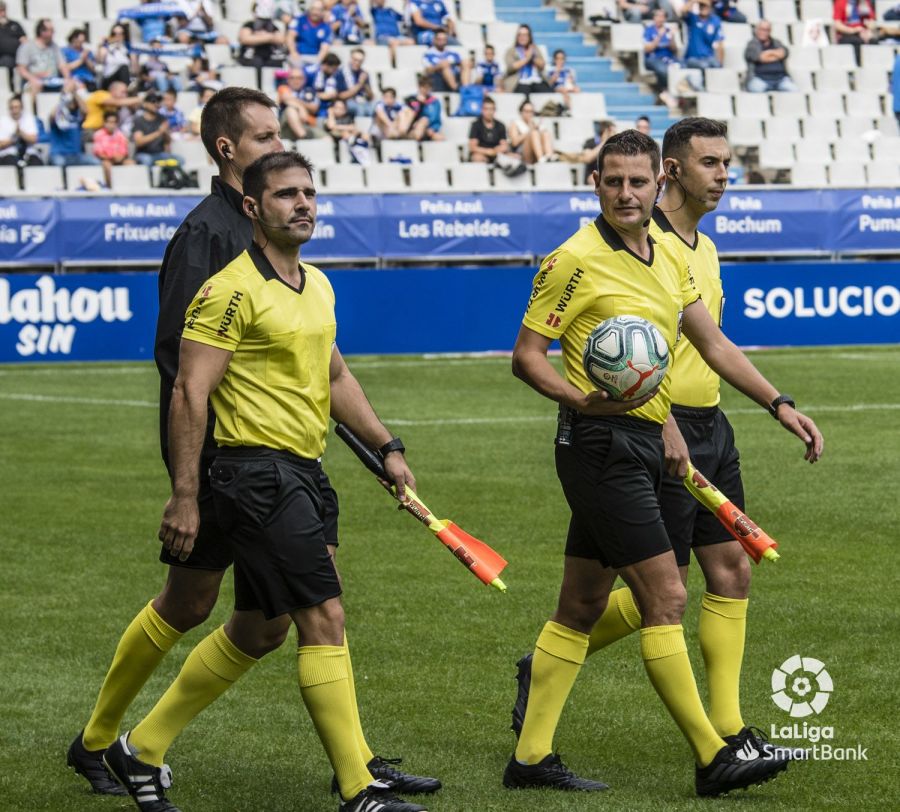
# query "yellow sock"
(364, 748)
(141, 648)
(210, 670)
(324, 673)
(669, 668)
(723, 624)
(620, 618)
(558, 657)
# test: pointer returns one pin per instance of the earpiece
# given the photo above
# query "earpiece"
(226, 152)
(673, 171)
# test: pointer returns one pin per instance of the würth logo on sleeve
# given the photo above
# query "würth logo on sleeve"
(569, 291)
(230, 312)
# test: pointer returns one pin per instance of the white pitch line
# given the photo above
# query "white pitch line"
(68, 399)
(79, 370)
(438, 421)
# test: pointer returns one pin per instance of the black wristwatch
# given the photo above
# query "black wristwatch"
(773, 406)
(392, 445)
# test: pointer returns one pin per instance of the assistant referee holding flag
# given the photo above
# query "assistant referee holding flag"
(259, 342)
(612, 468)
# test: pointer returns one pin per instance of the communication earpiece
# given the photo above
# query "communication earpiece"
(673, 171)
(226, 152)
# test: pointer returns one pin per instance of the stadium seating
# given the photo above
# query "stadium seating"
(43, 180)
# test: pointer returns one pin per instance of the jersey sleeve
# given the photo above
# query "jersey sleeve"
(689, 291)
(554, 301)
(220, 313)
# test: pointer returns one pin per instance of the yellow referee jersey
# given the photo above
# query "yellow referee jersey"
(594, 276)
(693, 382)
(276, 391)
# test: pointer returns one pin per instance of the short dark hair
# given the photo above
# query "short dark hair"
(488, 100)
(331, 59)
(644, 118)
(111, 114)
(223, 114)
(74, 33)
(678, 137)
(388, 90)
(256, 175)
(42, 25)
(557, 52)
(629, 142)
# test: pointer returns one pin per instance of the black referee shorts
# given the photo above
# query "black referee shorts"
(212, 547)
(278, 512)
(710, 440)
(611, 476)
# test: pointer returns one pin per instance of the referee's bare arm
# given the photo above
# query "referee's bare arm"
(733, 366)
(349, 405)
(200, 368)
(530, 363)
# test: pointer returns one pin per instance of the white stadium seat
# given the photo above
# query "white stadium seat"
(428, 178)
(554, 176)
(855, 128)
(443, 153)
(848, 151)
(504, 183)
(776, 154)
(884, 174)
(836, 80)
(469, 177)
(864, 105)
(839, 56)
(43, 180)
(409, 58)
(478, 11)
(783, 128)
(887, 150)
(9, 178)
(385, 178)
(205, 174)
(75, 175)
(722, 80)
(752, 105)
(826, 105)
(806, 173)
(877, 56)
(456, 129)
(130, 179)
(407, 150)
(848, 174)
(587, 105)
(714, 105)
(814, 148)
(790, 105)
(344, 178)
(779, 11)
(826, 128)
(745, 132)
(318, 150)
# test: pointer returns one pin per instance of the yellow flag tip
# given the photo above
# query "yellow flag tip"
(498, 584)
(771, 555)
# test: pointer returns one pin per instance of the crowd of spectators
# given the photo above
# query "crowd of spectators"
(118, 98)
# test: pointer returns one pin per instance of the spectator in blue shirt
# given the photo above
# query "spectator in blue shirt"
(486, 72)
(80, 60)
(705, 37)
(387, 29)
(727, 10)
(65, 130)
(442, 65)
(329, 83)
(660, 48)
(170, 111)
(347, 22)
(427, 18)
(562, 78)
(385, 116)
(421, 118)
(525, 64)
(360, 95)
(310, 35)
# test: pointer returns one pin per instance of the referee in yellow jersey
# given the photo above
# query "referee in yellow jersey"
(696, 157)
(259, 342)
(611, 469)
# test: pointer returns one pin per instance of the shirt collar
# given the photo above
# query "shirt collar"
(267, 270)
(233, 197)
(665, 224)
(614, 240)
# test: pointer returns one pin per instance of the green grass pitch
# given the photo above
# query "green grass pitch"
(433, 649)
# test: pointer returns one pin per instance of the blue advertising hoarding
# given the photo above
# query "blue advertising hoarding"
(747, 222)
(112, 316)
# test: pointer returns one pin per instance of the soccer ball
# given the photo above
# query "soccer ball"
(627, 356)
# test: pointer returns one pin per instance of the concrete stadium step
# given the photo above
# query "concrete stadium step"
(540, 20)
(531, 5)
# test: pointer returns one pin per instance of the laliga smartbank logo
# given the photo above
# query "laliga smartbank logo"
(801, 686)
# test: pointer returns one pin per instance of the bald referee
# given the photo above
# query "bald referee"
(611, 467)
(259, 343)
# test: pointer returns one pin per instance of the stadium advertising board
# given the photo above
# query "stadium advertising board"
(456, 225)
(29, 232)
(107, 316)
(747, 222)
(77, 317)
(112, 229)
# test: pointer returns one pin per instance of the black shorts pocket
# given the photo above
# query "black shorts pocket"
(246, 492)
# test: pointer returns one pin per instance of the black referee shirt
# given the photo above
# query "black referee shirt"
(210, 237)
